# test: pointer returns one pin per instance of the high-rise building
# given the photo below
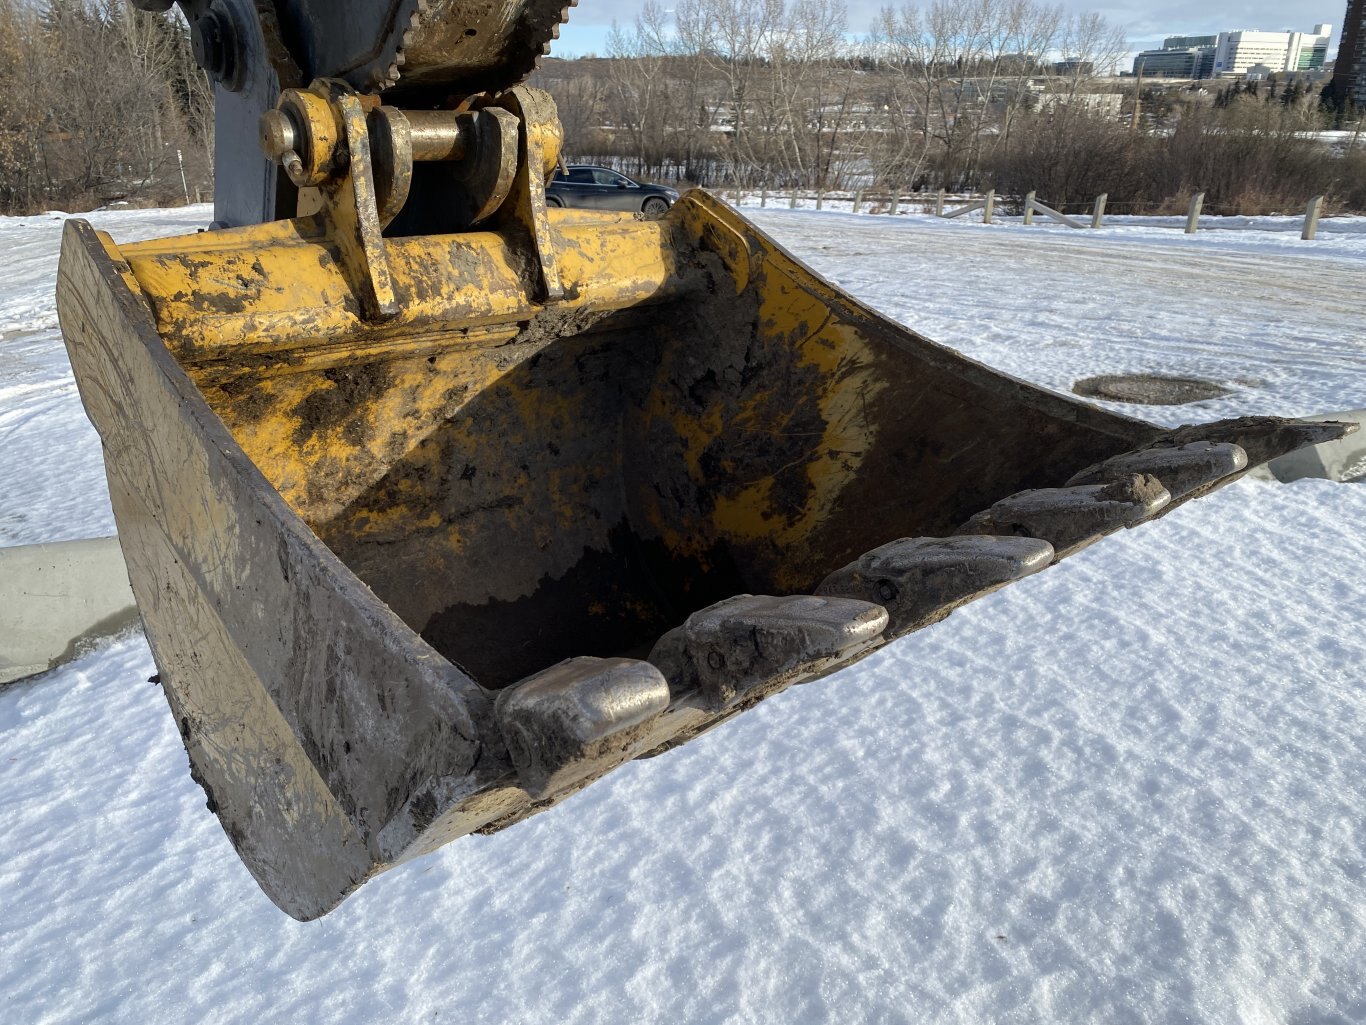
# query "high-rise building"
(1349, 74)
(1234, 54)
(1238, 52)
(1175, 62)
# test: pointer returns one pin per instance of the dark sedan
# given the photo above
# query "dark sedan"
(601, 188)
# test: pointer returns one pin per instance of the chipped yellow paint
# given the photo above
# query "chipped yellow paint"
(266, 322)
(846, 367)
(804, 316)
(328, 404)
(273, 289)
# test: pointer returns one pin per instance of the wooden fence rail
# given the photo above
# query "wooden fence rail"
(1033, 206)
(987, 204)
(1098, 213)
(894, 202)
(1193, 217)
(1311, 219)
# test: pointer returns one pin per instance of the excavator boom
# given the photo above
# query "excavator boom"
(439, 504)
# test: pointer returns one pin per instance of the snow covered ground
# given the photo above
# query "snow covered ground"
(51, 476)
(1130, 789)
(1278, 320)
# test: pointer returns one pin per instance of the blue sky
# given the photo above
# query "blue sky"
(1145, 23)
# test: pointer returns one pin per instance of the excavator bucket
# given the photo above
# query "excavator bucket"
(411, 580)
(430, 530)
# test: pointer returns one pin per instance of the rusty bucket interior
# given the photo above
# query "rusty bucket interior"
(577, 482)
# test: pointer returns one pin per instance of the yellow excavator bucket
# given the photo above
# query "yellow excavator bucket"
(404, 581)
(428, 531)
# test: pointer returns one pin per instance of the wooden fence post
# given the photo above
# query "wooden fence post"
(763, 196)
(1098, 215)
(1193, 218)
(896, 202)
(1029, 208)
(820, 199)
(1311, 219)
(990, 208)
(939, 204)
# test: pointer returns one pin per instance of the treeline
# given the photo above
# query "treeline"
(774, 92)
(99, 102)
(1250, 155)
(957, 94)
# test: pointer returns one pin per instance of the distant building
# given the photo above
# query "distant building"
(1238, 52)
(1110, 104)
(1189, 42)
(1176, 62)
(1074, 66)
(1349, 74)
(1234, 54)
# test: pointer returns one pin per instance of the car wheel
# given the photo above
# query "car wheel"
(655, 207)
(553, 201)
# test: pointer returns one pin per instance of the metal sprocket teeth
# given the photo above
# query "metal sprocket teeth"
(383, 72)
(433, 28)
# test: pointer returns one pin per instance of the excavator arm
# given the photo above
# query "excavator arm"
(439, 504)
(425, 52)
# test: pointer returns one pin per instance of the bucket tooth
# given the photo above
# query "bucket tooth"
(754, 645)
(578, 719)
(1264, 438)
(1182, 469)
(921, 580)
(1071, 518)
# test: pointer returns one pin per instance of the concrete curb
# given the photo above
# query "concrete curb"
(1343, 460)
(57, 599)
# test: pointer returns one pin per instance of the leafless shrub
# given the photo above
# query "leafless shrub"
(99, 102)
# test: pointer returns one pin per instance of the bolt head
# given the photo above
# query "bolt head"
(278, 135)
(214, 42)
(207, 43)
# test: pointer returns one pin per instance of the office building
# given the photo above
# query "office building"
(1175, 62)
(1180, 57)
(1189, 42)
(1238, 52)
(1234, 54)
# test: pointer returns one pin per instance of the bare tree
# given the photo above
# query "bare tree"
(98, 101)
(965, 68)
(22, 108)
(659, 100)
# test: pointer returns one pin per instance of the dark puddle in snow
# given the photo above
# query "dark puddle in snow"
(1149, 389)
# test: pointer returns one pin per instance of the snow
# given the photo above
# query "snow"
(1275, 318)
(1129, 789)
(47, 447)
